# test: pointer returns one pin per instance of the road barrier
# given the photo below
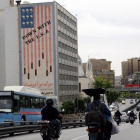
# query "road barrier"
(131, 107)
(14, 127)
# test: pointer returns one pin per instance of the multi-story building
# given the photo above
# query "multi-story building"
(129, 67)
(100, 64)
(118, 82)
(108, 75)
(41, 48)
(85, 78)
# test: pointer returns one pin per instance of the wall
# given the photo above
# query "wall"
(2, 51)
(36, 43)
(11, 46)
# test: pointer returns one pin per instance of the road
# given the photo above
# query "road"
(127, 132)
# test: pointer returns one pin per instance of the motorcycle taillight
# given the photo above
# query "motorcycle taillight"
(43, 126)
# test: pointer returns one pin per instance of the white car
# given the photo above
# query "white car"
(124, 117)
(123, 101)
(131, 101)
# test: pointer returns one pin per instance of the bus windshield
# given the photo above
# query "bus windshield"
(5, 105)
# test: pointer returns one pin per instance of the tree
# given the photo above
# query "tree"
(87, 100)
(68, 106)
(103, 83)
(81, 104)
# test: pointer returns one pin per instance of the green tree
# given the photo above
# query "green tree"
(87, 100)
(68, 106)
(103, 83)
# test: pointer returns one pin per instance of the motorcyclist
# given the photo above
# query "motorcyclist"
(118, 114)
(105, 111)
(131, 114)
(51, 114)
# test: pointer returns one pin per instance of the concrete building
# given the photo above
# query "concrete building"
(118, 82)
(100, 64)
(108, 75)
(9, 45)
(85, 79)
(40, 50)
(129, 67)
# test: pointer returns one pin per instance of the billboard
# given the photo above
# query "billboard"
(38, 66)
(132, 86)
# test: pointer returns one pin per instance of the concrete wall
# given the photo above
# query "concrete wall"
(5, 3)
(11, 46)
(2, 51)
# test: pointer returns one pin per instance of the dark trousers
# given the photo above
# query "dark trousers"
(57, 124)
(108, 129)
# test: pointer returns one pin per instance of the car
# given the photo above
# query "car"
(124, 117)
(131, 101)
(123, 101)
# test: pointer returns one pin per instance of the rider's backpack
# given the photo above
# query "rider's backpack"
(95, 115)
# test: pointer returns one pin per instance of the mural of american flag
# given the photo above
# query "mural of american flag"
(36, 33)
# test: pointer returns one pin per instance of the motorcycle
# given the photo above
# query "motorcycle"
(95, 131)
(131, 120)
(47, 130)
(117, 120)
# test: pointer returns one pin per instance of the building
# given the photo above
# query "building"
(9, 44)
(118, 82)
(40, 50)
(100, 64)
(129, 67)
(108, 75)
(85, 78)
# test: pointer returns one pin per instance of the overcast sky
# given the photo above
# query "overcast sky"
(108, 29)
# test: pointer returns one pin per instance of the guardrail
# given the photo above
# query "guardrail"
(14, 127)
(131, 107)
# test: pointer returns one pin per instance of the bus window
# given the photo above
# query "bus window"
(22, 101)
(37, 103)
(33, 102)
(27, 102)
(42, 103)
(16, 103)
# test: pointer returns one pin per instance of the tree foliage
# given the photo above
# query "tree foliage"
(100, 82)
(68, 106)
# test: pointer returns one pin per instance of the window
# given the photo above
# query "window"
(27, 101)
(22, 101)
(33, 102)
(37, 103)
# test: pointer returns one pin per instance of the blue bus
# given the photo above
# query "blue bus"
(21, 106)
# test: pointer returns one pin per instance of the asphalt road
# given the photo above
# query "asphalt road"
(127, 132)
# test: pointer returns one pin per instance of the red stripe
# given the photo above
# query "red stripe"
(38, 33)
(43, 28)
(50, 38)
(28, 55)
(46, 41)
(29, 112)
(35, 39)
(24, 61)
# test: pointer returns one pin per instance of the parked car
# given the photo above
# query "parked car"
(131, 101)
(124, 117)
(123, 101)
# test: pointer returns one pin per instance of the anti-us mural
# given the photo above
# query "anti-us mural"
(36, 43)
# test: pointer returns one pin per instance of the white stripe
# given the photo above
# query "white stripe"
(79, 137)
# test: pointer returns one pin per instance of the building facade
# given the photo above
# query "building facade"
(108, 75)
(129, 68)
(45, 49)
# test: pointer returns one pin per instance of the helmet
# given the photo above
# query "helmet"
(49, 102)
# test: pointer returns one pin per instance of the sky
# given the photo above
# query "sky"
(107, 29)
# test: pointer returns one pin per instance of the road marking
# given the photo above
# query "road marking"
(79, 137)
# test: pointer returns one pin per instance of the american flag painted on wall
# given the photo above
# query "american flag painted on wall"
(36, 36)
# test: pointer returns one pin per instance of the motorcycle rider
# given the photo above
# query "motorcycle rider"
(131, 114)
(51, 114)
(105, 111)
(118, 114)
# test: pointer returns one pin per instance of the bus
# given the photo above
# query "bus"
(19, 103)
